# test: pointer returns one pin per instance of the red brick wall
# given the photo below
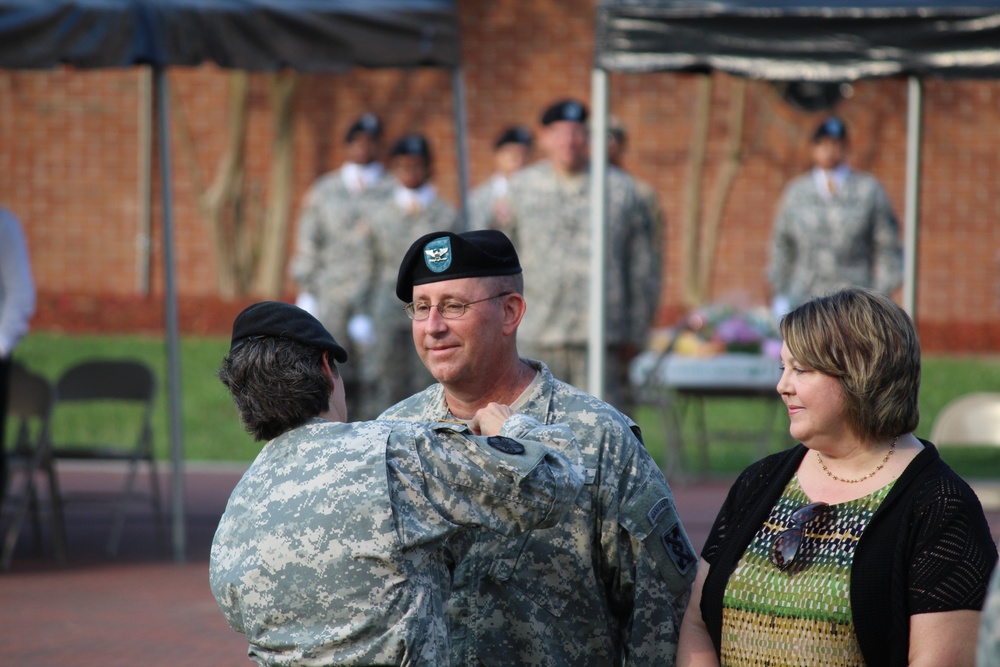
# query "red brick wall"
(70, 147)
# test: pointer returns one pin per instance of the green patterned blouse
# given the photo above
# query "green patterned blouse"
(801, 614)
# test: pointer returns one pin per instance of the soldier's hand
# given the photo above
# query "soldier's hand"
(488, 420)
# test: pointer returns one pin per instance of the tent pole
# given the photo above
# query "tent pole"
(461, 144)
(914, 121)
(598, 231)
(170, 312)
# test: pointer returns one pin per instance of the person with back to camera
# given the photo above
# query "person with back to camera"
(835, 228)
(859, 546)
(608, 584)
(334, 548)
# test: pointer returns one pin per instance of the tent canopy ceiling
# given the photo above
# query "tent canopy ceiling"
(798, 40)
(305, 35)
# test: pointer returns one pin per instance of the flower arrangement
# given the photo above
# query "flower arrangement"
(718, 328)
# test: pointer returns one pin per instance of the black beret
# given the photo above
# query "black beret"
(515, 134)
(571, 110)
(447, 256)
(368, 123)
(412, 144)
(832, 127)
(276, 319)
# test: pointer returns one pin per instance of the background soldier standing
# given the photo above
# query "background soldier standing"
(488, 206)
(550, 205)
(332, 234)
(413, 208)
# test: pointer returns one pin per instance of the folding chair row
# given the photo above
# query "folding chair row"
(115, 400)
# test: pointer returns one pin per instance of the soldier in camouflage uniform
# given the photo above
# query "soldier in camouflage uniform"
(333, 549)
(835, 228)
(988, 648)
(609, 583)
(332, 234)
(550, 206)
(413, 209)
(488, 206)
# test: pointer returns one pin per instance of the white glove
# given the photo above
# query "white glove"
(361, 330)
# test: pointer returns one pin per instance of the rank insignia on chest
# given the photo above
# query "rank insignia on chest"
(437, 254)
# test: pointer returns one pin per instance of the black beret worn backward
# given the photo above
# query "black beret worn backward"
(442, 256)
(275, 319)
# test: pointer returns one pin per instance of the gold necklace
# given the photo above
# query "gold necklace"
(885, 458)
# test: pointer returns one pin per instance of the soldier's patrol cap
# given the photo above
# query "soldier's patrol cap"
(412, 144)
(442, 256)
(833, 128)
(368, 123)
(515, 134)
(275, 319)
(571, 110)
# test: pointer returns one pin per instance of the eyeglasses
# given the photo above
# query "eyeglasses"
(786, 544)
(449, 310)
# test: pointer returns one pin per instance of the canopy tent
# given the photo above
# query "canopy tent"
(789, 40)
(257, 35)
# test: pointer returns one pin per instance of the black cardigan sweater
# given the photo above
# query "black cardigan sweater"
(928, 548)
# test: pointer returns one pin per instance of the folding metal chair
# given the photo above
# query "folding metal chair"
(972, 419)
(30, 408)
(123, 391)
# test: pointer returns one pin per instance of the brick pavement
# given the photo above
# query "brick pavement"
(144, 610)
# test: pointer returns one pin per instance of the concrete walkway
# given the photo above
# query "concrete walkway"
(144, 609)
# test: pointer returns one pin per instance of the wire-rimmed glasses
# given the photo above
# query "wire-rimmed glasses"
(449, 309)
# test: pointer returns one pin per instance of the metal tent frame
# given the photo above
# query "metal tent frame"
(787, 40)
(254, 35)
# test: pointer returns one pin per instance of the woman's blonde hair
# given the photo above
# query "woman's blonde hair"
(866, 341)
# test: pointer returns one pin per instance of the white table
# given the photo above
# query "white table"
(674, 382)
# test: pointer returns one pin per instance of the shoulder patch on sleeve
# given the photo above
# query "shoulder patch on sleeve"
(505, 445)
(679, 549)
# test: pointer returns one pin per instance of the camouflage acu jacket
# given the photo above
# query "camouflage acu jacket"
(332, 233)
(820, 244)
(332, 550)
(548, 213)
(608, 583)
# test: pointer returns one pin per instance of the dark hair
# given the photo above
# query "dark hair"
(866, 341)
(276, 384)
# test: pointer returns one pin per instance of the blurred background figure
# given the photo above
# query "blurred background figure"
(332, 235)
(835, 228)
(488, 206)
(617, 144)
(17, 305)
(550, 226)
(412, 210)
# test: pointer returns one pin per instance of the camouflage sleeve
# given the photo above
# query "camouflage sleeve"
(507, 483)
(644, 267)
(782, 259)
(481, 208)
(305, 265)
(988, 647)
(888, 249)
(656, 563)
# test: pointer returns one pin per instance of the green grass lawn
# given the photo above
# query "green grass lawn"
(211, 429)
